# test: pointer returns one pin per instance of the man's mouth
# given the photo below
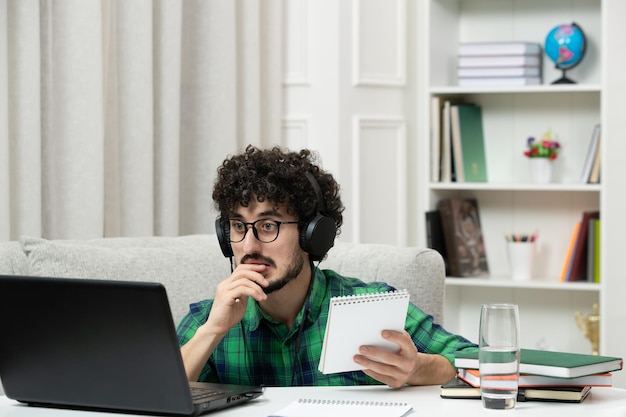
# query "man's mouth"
(257, 260)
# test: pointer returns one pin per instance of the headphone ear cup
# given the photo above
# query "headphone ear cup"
(318, 236)
(223, 237)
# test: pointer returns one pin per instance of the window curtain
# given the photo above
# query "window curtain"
(115, 114)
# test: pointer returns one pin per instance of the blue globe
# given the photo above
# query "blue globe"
(565, 46)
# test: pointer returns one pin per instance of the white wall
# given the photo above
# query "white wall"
(347, 94)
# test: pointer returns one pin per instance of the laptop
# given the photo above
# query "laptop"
(99, 345)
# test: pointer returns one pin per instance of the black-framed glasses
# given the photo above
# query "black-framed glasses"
(265, 230)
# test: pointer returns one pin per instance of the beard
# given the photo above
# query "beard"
(293, 269)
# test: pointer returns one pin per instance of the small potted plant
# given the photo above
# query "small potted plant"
(541, 153)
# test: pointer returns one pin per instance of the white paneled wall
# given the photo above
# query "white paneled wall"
(379, 180)
(346, 70)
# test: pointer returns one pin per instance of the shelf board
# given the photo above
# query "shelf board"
(505, 282)
(490, 186)
(545, 88)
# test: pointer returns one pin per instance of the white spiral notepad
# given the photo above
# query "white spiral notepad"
(343, 408)
(358, 320)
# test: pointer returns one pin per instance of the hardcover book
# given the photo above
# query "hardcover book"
(567, 263)
(498, 81)
(499, 61)
(472, 377)
(434, 236)
(498, 48)
(579, 255)
(435, 138)
(460, 221)
(499, 72)
(560, 394)
(594, 176)
(591, 250)
(591, 154)
(593, 267)
(456, 388)
(468, 140)
(551, 363)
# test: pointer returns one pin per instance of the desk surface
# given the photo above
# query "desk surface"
(605, 402)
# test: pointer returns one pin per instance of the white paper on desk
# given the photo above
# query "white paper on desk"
(358, 320)
(342, 408)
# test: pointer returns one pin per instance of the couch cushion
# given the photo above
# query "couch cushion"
(12, 259)
(189, 266)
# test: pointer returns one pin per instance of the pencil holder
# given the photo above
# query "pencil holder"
(521, 259)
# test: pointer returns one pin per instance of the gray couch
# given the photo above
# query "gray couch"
(190, 267)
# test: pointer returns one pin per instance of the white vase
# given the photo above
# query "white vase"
(541, 170)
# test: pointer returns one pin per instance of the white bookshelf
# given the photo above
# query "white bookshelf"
(510, 202)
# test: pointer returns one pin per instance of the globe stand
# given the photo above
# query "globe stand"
(563, 79)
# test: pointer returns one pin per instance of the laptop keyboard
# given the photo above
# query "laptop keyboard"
(200, 393)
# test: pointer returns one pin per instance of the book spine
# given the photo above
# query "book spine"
(596, 266)
(591, 155)
(435, 238)
(499, 81)
(457, 151)
(499, 48)
(570, 250)
(499, 61)
(499, 72)
(594, 176)
(435, 139)
(447, 225)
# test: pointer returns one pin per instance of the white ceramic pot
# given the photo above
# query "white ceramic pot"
(541, 170)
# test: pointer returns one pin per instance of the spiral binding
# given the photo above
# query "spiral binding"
(352, 403)
(369, 297)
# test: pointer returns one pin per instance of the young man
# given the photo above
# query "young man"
(266, 323)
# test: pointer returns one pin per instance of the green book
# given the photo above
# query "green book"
(551, 363)
(472, 147)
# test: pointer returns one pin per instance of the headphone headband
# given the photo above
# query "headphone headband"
(319, 198)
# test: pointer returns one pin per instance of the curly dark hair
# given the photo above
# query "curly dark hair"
(277, 176)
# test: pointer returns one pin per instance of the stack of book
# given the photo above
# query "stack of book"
(513, 63)
(544, 375)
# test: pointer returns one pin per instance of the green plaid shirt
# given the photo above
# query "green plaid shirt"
(262, 351)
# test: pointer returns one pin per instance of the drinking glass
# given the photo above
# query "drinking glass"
(498, 355)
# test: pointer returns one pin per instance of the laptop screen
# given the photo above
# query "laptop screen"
(86, 343)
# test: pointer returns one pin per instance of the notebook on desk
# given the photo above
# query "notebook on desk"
(97, 344)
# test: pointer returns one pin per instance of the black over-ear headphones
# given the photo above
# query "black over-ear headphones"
(317, 235)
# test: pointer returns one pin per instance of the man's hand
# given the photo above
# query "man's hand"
(231, 297)
(229, 306)
(407, 366)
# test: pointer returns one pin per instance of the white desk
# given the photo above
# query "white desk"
(604, 402)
